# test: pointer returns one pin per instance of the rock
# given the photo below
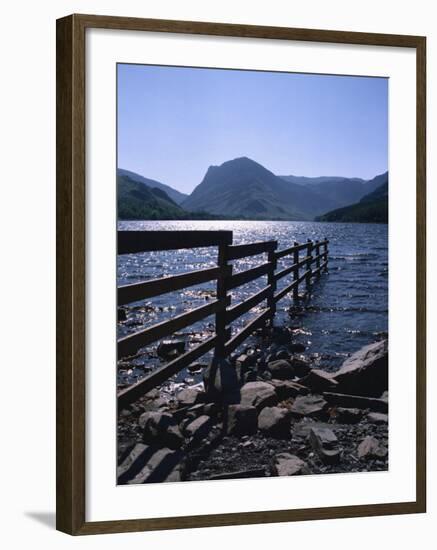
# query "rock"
(286, 464)
(211, 409)
(282, 354)
(281, 369)
(275, 422)
(365, 372)
(324, 442)
(147, 464)
(242, 420)
(319, 381)
(285, 389)
(195, 368)
(356, 401)
(189, 397)
(296, 348)
(163, 466)
(198, 428)
(160, 428)
(121, 315)
(370, 447)
(302, 365)
(346, 415)
(245, 360)
(221, 382)
(309, 405)
(169, 348)
(377, 418)
(258, 394)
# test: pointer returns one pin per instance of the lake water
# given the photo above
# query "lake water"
(348, 307)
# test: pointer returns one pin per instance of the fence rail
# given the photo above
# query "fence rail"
(223, 344)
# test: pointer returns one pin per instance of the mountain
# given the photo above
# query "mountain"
(175, 195)
(244, 188)
(372, 208)
(136, 201)
(340, 191)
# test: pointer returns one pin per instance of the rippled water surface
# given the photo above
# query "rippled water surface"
(348, 307)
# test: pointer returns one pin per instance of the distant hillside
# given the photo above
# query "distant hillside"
(136, 201)
(175, 195)
(372, 208)
(243, 188)
(338, 190)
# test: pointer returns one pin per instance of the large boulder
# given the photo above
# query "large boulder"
(286, 464)
(370, 447)
(275, 422)
(356, 401)
(365, 372)
(281, 369)
(160, 428)
(309, 405)
(286, 388)
(258, 394)
(319, 381)
(242, 420)
(189, 397)
(199, 427)
(325, 443)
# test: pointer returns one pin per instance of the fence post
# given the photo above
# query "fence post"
(317, 248)
(296, 274)
(308, 264)
(271, 304)
(325, 246)
(222, 293)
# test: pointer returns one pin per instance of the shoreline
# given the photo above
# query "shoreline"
(268, 411)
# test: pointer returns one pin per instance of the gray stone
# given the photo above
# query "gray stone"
(189, 397)
(301, 364)
(275, 422)
(163, 466)
(286, 388)
(286, 464)
(281, 369)
(242, 420)
(377, 418)
(324, 442)
(199, 427)
(365, 372)
(160, 428)
(319, 381)
(167, 348)
(309, 405)
(356, 401)
(258, 394)
(370, 447)
(346, 415)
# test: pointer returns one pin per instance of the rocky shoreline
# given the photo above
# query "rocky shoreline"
(267, 412)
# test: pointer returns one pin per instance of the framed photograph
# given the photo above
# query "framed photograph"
(240, 274)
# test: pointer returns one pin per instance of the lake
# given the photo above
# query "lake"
(347, 310)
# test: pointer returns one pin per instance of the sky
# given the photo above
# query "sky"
(174, 122)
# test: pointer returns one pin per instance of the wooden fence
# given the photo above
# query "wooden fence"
(303, 271)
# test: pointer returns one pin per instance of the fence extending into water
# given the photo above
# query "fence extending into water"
(309, 260)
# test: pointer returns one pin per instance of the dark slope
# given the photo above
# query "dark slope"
(175, 195)
(136, 201)
(372, 208)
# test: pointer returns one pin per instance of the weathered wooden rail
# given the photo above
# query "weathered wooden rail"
(302, 271)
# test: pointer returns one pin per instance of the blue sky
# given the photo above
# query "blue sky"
(174, 122)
